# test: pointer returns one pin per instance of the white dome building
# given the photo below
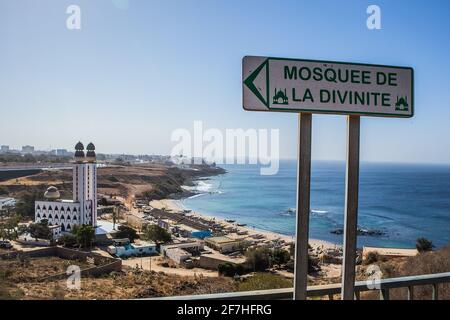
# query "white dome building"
(52, 193)
(82, 208)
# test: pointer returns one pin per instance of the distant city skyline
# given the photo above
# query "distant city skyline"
(136, 71)
(70, 151)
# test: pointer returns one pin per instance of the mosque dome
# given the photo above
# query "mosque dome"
(90, 154)
(90, 147)
(79, 152)
(79, 146)
(52, 193)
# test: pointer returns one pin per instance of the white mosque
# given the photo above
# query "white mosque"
(82, 209)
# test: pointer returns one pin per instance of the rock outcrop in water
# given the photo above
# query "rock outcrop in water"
(362, 232)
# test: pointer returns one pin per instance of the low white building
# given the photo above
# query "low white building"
(4, 149)
(7, 202)
(223, 244)
(27, 149)
(193, 246)
(177, 255)
(165, 223)
(123, 248)
(180, 252)
(55, 230)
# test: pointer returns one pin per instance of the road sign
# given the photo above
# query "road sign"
(310, 86)
(296, 85)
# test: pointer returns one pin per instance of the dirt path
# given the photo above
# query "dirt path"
(156, 260)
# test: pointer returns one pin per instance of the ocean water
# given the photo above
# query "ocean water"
(404, 201)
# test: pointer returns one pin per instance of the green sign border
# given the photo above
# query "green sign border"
(249, 83)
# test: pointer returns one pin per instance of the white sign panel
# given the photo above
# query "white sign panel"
(295, 85)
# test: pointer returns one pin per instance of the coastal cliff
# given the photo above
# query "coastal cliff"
(148, 181)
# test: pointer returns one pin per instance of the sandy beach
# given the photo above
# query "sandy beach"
(244, 231)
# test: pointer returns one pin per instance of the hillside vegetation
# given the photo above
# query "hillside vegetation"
(424, 263)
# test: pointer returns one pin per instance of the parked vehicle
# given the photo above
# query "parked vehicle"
(5, 245)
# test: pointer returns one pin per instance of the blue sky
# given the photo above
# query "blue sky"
(137, 70)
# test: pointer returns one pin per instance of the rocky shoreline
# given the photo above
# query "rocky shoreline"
(202, 172)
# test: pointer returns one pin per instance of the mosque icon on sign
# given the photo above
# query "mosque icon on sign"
(401, 104)
(280, 97)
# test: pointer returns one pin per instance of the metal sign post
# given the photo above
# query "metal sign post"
(351, 208)
(303, 205)
(327, 87)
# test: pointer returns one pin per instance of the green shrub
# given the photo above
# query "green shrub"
(127, 232)
(40, 230)
(422, 264)
(157, 234)
(228, 269)
(280, 256)
(84, 234)
(372, 257)
(264, 281)
(424, 245)
(313, 265)
(67, 240)
(258, 259)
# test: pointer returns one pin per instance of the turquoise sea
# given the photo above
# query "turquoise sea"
(403, 201)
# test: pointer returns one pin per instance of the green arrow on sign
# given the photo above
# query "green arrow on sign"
(249, 83)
